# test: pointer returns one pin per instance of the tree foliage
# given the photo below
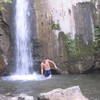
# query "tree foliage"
(55, 26)
(4, 1)
(71, 46)
(97, 39)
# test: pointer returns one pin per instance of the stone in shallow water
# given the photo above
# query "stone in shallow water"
(72, 93)
(18, 97)
(25, 97)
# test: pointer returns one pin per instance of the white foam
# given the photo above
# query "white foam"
(32, 77)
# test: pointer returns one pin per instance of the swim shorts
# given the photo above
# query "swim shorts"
(47, 73)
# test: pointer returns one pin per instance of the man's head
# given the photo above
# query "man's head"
(45, 58)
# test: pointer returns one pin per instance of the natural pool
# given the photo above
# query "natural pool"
(89, 84)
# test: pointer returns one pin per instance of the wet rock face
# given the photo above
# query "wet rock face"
(81, 65)
(44, 32)
(76, 55)
(97, 62)
(83, 16)
(97, 18)
(4, 38)
(80, 59)
(97, 24)
(48, 44)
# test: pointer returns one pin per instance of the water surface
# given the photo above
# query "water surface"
(89, 84)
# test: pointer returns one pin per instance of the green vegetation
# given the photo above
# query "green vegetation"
(8, 1)
(75, 48)
(97, 40)
(55, 26)
(2, 9)
(71, 47)
(4, 1)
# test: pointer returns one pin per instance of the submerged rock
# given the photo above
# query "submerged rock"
(18, 97)
(72, 93)
(25, 97)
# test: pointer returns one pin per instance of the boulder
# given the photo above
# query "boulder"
(18, 97)
(72, 93)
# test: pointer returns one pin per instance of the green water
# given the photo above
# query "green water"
(89, 84)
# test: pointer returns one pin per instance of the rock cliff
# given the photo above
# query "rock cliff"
(70, 44)
(63, 33)
(4, 35)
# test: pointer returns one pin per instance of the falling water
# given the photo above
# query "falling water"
(23, 38)
(23, 29)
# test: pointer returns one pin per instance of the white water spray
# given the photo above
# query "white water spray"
(23, 53)
(23, 44)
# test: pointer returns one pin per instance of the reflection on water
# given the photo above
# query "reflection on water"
(89, 84)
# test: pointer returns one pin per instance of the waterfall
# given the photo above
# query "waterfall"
(24, 32)
(23, 38)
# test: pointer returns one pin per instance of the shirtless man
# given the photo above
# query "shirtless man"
(45, 67)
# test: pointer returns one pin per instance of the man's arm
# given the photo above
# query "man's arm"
(42, 69)
(53, 64)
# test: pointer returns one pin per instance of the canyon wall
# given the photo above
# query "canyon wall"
(65, 32)
(4, 37)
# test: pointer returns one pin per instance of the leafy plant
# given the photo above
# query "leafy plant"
(55, 26)
(4, 1)
(2, 9)
(97, 40)
(74, 47)
(7, 1)
(70, 45)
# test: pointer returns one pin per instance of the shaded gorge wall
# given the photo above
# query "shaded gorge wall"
(97, 33)
(5, 38)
